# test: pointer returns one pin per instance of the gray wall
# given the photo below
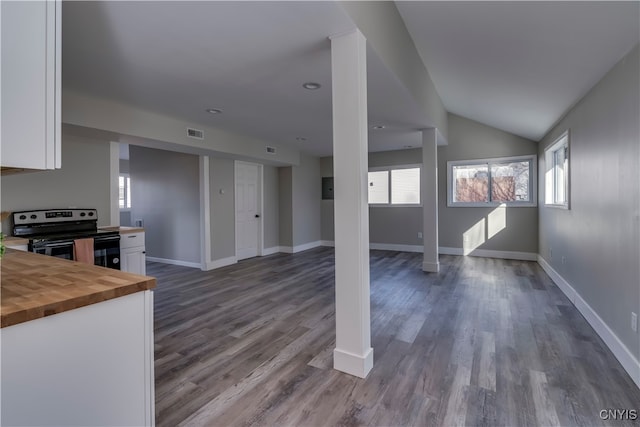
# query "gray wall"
(285, 205)
(600, 235)
(389, 225)
(165, 132)
(327, 231)
(400, 225)
(83, 181)
(165, 194)
(271, 200)
(125, 219)
(300, 191)
(124, 166)
(222, 209)
(472, 140)
(222, 212)
(307, 192)
(395, 225)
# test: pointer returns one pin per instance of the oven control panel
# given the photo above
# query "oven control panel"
(54, 216)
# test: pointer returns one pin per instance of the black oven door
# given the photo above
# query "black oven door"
(106, 250)
(58, 248)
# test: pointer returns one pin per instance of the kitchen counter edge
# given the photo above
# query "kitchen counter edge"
(36, 286)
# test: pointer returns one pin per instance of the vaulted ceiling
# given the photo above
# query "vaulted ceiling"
(516, 67)
(519, 66)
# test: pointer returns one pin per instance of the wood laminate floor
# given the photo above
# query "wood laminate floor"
(484, 342)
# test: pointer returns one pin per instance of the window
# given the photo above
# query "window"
(399, 186)
(492, 182)
(124, 194)
(556, 177)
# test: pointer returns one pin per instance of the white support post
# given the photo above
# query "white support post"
(429, 187)
(205, 214)
(353, 353)
(114, 186)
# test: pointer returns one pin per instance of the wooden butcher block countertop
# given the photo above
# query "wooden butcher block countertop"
(35, 286)
(11, 240)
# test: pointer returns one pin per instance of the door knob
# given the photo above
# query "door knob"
(257, 216)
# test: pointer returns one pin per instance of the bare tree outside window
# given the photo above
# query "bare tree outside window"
(510, 182)
(471, 183)
(492, 181)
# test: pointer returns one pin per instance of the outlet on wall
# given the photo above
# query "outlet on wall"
(564, 259)
(634, 322)
(419, 234)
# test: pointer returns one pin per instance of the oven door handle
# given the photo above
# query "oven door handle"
(106, 239)
(54, 245)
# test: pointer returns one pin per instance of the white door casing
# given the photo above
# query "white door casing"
(248, 201)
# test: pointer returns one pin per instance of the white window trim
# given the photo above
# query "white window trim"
(126, 175)
(565, 137)
(533, 182)
(395, 167)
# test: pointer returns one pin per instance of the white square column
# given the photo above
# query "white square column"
(353, 353)
(429, 187)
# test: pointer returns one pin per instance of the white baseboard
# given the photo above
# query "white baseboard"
(487, 253)
(523, 256)
(395, 247)
(300, 248)
(383, 246)
(174, 262)
(219, 263)
(617, 347)
(353, 364)
(271, 251)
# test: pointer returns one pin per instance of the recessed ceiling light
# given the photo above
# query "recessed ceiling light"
(213, 110)
(378, 127)
(301, 138)
(311, 85)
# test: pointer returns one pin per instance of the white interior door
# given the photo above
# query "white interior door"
(248, 215)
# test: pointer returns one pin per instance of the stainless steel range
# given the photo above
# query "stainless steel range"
(53, 231)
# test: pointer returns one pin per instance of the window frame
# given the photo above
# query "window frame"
(127, 191)
(389, 169)
(533, 173)
(564, 140)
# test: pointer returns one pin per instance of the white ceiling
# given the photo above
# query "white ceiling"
(515, 67)
(249, 59)
(519, 66)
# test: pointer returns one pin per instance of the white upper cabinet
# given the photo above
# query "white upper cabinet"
(30, 84)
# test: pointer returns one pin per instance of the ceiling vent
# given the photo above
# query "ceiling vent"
(195, 133)
(271, 150)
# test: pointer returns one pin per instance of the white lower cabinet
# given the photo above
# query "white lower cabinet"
(133, 260)
(132, 253)
(92, 366)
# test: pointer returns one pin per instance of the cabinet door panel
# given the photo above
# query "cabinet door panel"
(30, 84)
(133, 261)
